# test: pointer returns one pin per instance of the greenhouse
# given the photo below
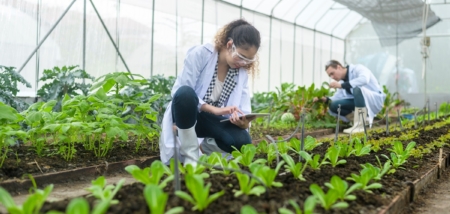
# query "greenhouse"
(224, 106)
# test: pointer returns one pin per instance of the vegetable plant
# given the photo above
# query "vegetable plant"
(314, 162)
(246, 155)
(247, 185)
(398, 154)
(32, 204)
(105, 193)
(333, 156)
(379, 173)
(309, 205)
(266, 174)
(151, 175)
(75, 206)
(63, 81)
(9, 79)
(327, 200)
(157, 199)
(361, 149)
(296, 169)
(200, 193)
(342, 188)
(366, 175)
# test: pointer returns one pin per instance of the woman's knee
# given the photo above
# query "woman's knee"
(237, 141)
(357, 91)
(185, 95)
(334, 106)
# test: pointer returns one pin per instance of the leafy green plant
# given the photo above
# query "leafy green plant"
(313, 162)
(9, 79)
(327, 200)
(398, 154)
(361, 149)
(262, 147)
(63, 81)
(157, 199)
(105, 193)
(333, 156)
(247, 185)
(342, 188)
(246, 155)
(366, 175)
(76, 206)
(32, 204)
(151, 175)
(309, 205)
(283, 147)
(379, 173)
(266, 174)
(296, 169)
(200, 193)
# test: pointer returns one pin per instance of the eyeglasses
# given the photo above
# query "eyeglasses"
(239, 57)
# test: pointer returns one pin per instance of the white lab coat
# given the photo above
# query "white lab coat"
(360, 76)
(198, 70)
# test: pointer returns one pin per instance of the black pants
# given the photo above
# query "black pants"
(348, 105)
(185, 114)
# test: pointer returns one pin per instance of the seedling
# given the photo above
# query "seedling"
(157, 199)
(152, 174)
(266, 174)
(329, 200)
(296, 169)
(333, 156)
(246, 155)
(308, 208)
(247, 184)
(200, 193)
(105, 193)
(342, 189)
(32, 204)
(314, 162)
(364, 178)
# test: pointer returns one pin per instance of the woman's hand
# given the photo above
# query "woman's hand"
(227, 110)
(241, 122)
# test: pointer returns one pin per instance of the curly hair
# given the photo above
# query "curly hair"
(244, 35)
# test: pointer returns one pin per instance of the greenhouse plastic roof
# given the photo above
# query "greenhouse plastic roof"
(338, 18)
(324, 16)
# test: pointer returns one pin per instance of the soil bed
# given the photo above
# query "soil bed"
(132, 200)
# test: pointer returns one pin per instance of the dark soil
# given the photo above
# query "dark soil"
(23, 160)
(132, 200)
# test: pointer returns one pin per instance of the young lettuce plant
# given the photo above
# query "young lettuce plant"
(76, 206)
(308, 208)
(105, 193)
(200, 193)
(327, 200)
(296, 169)
(271, 153)
(262, 147)
(157, 199)
(152, 174)
(342, 189)
(246, 155)
(361, 149)
(399, 155)
(196, 170)
(364, 178)
(32, 204)
(247, 184)
(217, 159)
(310, 144)
(345, 149)
(266, 174)
(333, 156)
(379, 172)
(314, 162)
(283, 147)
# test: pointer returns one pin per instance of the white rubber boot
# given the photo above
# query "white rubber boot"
(357, 123)
(209, 146)
(189, 145)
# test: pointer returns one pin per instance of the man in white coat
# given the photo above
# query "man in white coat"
(357, 91)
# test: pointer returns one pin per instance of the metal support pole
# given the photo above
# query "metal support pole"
(84, 37)
(337, 123)
(241, 9)
(177, 183)
(302, 145)
(387, 121)
(399, 119)
(38, 37)
(110, 37)
(270, 42)
(45, 37)
(437, 111)
(153, 36)
(428, 103)
(295, 38)
(203, 19)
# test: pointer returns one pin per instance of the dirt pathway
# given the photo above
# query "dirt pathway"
(435, 199)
